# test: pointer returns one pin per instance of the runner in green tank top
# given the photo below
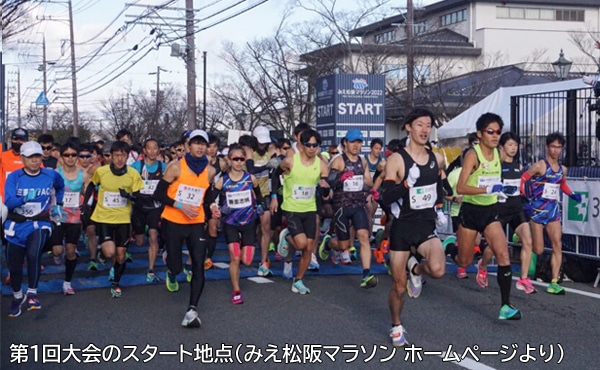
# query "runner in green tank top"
(480, 183)
(304, 176)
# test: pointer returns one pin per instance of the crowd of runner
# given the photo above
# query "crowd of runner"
(282, 197)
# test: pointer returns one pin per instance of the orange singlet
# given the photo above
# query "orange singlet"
(189, 188)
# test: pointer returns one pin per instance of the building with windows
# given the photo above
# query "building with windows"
(453, 38)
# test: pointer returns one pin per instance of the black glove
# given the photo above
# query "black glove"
(126, 195)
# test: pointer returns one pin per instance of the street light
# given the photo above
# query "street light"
(562, 66)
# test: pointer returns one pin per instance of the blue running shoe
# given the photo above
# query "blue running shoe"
(283, 246)
(15, 306)
(299, 287)
(111, 274)
(509, 312)
(33, 303)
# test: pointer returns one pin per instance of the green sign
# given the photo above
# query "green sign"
(578, 211)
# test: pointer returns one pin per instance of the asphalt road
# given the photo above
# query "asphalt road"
(338, 326)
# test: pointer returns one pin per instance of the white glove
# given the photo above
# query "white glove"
(441, 221)
(413, 175)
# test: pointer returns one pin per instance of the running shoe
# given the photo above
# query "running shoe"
(100, 257)
(172, 285)
(191, 319)
(115, 291)
(481, 278)
(287, 270)
(398, 338)
(128, 257)
(345, 258)
(379, 257)
(58, 260)
(554, 288)
(335, 257)
(188, 273)
(509, 312)
(164, 256)
(15, 306)
(299, 287)
(68, 290)
(324, 248)
(414, 284)
(283, 246)
(33, 303)
(92, 266)
(462, 273)
(353, 253)
(271, 247)
(236, 297)
(369, 281)
(151, 277)
(314, 264)
(526, 286)
(208, 264)
(263, 270)
(111, 274)
(385, 246)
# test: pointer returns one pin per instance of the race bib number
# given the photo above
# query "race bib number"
(71, 199)
(189, 195)
(303, 192)
(551, 191)
(149, 187)
(113, 199)
(354, 184)
(485, 181)
(514, 182)
(29, 209)
(239, 199)
(422, 197)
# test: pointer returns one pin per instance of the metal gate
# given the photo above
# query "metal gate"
(571, 112)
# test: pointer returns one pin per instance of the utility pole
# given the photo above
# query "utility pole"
(410, 57)
(204, 91)
(190, 64)
(157, 112)
(73, 74)
(45, 107)
(19, 122)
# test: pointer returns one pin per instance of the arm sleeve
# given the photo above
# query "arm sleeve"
(565, 188)
(258, 195)
(524, 178)
(89, 192)
(333, 179)
(209, 198)
(160, 193)
(391, 192)
(253, 169)
(276, 180)
(59, 188)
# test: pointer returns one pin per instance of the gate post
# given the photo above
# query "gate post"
(571, 152)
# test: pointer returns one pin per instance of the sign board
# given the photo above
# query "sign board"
(347, 101)
(582, 218)
(234, 135)
(42, 100)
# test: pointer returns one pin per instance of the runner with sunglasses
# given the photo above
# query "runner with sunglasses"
(304, 176)
(241, 206)
(480, 183)
(68, 228)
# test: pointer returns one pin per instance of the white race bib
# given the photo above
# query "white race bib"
(354, 184)
(71, 199)
(149, 187)
(113, 199)
(485, 181)
(29, 209)
(422, 197)
(301, 192)
(551, 191)
(189, 195)
(239, 199)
